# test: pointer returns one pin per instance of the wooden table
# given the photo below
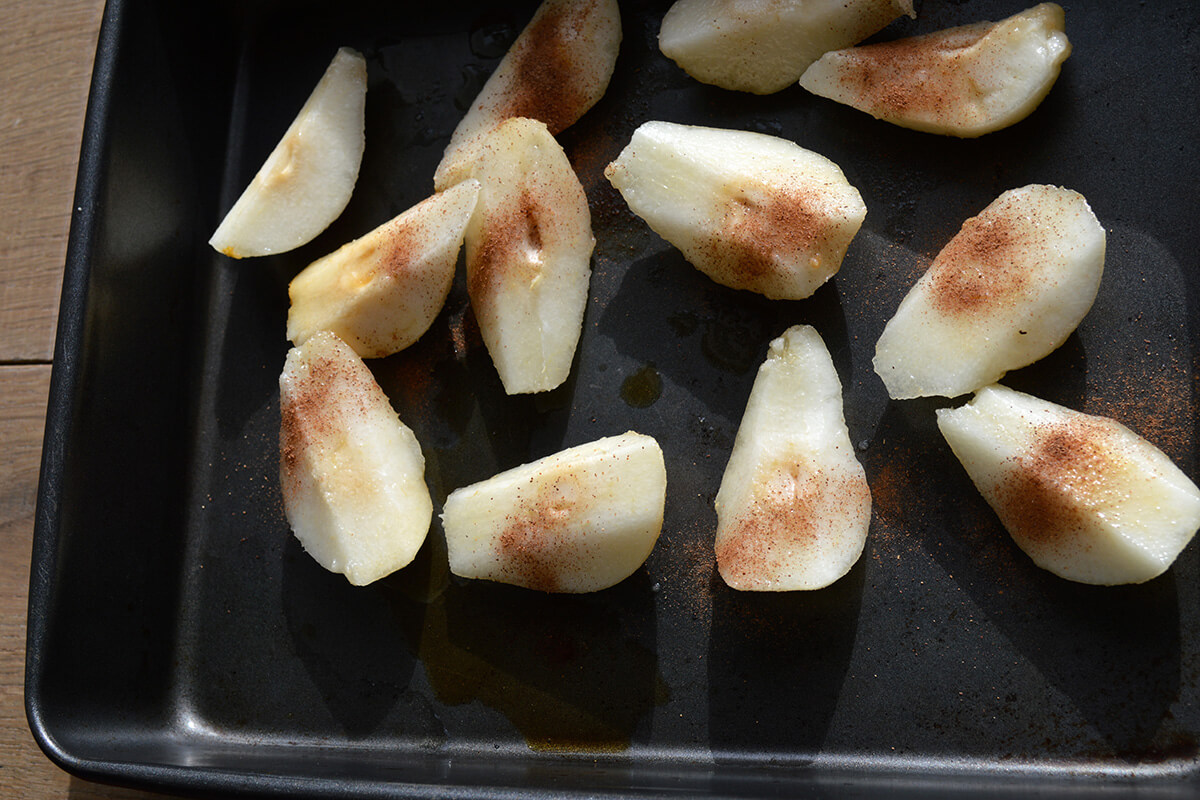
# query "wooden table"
(46, 54)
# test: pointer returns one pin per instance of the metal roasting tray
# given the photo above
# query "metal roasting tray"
(180, 639)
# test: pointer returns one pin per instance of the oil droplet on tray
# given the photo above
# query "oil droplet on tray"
(684, 323)
(473, 79)
(492, 40)
(643, 388)
(565, 673)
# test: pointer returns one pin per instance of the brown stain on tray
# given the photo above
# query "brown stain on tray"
(565, 671)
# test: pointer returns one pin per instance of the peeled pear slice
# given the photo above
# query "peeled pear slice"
(554, 72)
(794, 506)
(352, 474)
(1008, 289)
(964, 81)
(529, 248)
(306, 181)
(763, 46)
(1084, 496)
(581, 520)
(749, 210)
(381, 292)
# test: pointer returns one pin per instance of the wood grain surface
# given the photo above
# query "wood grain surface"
(46, 55)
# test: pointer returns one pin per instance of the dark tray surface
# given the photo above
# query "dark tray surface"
(180, 639)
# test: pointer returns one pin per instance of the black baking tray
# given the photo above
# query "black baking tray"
(179, 639)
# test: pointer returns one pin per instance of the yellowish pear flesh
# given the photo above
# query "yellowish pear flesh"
(764, 46)
(528, 256)
(381, 292)
(751, 211)
(794, 507)
(964, 81)
(307, 180)
(351, 473)
(580, 520)
(1008, 289)
(554, 72)
(1084, 496)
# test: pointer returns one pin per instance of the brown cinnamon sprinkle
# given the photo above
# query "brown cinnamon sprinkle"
(506, 231)
(756, 233)
(1035, 499)
(1154, 400)
(312, 411)
(533, 548)
(985, 264)
(552, 88)
(405, 244)
(788, 518)
(910, 76)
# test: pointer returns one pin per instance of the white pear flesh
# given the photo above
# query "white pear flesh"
(382, 291)
(751, 211)
(307, 180)
(1008, 289)
(580, 520)
(352, 474)
(528, 256)
(964, 81)
(554, 72)
(1084, 496)
(794, 507)
(764, 46)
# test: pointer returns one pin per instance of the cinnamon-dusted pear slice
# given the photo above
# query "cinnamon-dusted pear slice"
(308, 178)
(749, 210)
(581, 520)
(964, 81)
(794, 505)
(1009, 288)
(554, 72)
(381, 292)
(352, 474)
(1084, 496)
(529, 248)
(763, 46)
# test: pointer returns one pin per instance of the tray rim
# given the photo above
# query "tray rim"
(64, 377)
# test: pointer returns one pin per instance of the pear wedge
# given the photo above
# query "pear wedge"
(381, 292)
(1084, 496)
(964, 81)
(794, 506)
(580, 520)
(352, 474)
(308, 178)
(762, 46)
(749, 210)
(1008, 289)
(528, 255)
(554, 72)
